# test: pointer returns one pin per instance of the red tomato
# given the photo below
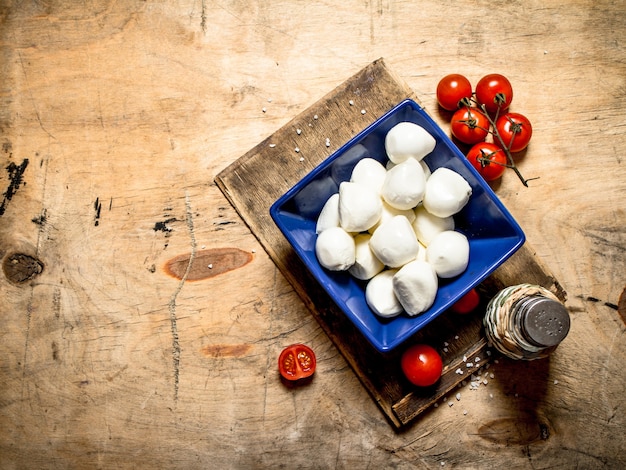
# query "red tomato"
(453, 91)
(467, 303)
(489, 159)
(296, 362)
(515, 130)
(422, 365)
(494, 91)
(469, 125)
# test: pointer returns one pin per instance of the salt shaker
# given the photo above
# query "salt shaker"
(526, 322)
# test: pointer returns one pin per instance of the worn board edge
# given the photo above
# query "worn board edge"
(253, 207)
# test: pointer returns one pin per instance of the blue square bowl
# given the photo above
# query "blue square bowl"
(492, 232)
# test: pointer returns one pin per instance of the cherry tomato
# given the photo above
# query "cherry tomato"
(453, 91)
(467, 303)
(515, 130)
(296, 362)
(469, 125)
(489, 159)
(422, 365)
(494, 91)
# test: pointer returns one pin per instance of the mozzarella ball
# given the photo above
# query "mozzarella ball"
(394, 242)
(427, 225)
(329, 217)
(447, 192)
(426, 169)
(369, 172)
(380, 296)
(421, 253)
(335, 249)
(359, 207)
(366, 265)
(390, 212)
(404, 185)
(389, 165)
(406, 140)
(448, 253)
(415, 286)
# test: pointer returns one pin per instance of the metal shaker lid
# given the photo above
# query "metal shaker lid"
(545, 322)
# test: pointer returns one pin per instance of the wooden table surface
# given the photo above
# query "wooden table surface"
(116, 117)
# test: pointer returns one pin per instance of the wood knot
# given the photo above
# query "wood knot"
(207, 263)
(522, 429)
(19, 267)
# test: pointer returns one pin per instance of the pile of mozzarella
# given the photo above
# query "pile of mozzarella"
(393, 226)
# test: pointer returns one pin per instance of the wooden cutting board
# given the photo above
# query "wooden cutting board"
(254, 181)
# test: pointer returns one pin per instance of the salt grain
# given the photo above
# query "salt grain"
(297, 149)
(556, 382)
(458, 397)
(459, 371)
(315, 117)
(298, 131)
(210, 266)
(363, 111)
(301, 159)
(327, 142)
(464, 412)
(272, 146)
(351, 103)
(264, 110)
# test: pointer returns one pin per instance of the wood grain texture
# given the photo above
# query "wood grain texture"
(127, 111)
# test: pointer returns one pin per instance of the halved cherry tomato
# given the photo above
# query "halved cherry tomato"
(494, 91)
(297, 362)
(515, 130)
(489, 159)
(467, 303)
(453, 91)
(469, 125)
(422, 365)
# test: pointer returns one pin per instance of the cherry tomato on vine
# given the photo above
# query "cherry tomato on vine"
(489, 159)
(515, 130)
(422, 365)
(494, 91)
(296, 362)
(467, 303)
(469, 125)
(453, 91)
